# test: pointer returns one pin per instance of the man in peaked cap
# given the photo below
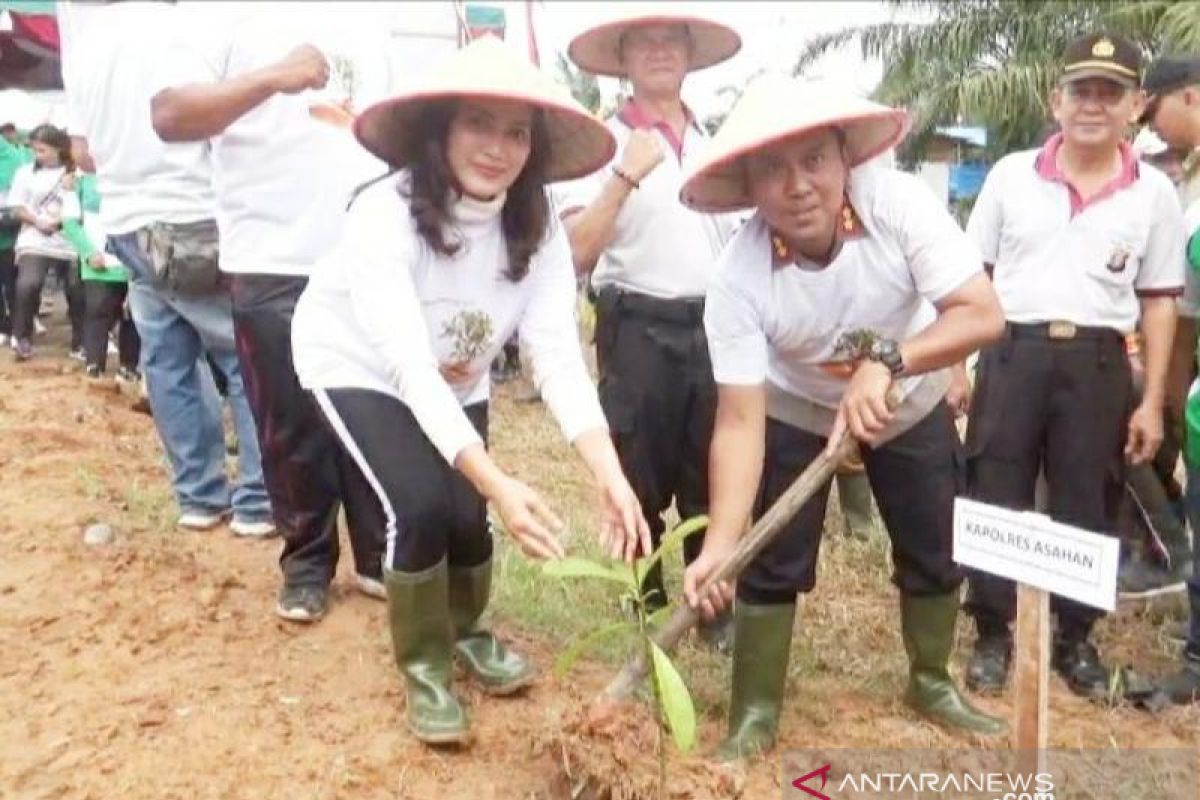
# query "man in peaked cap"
(1083, 247)
(849, 283)
(1173, 112)
(650, 260)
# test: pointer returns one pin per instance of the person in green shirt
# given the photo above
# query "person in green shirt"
(12, 156)
(105, 285)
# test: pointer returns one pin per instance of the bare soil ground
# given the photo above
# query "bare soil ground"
(153, 667)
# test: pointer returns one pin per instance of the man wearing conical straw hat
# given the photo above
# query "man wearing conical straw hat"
(845, 284)
(650, 260)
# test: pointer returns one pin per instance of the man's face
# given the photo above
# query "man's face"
(1095, 111)
(1170, 116)
(799, 185)
(655, 57)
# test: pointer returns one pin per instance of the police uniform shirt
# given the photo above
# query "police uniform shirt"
(659, 246)
(770, 320)
(1057, 257)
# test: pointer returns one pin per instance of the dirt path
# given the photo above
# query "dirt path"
(153, 668)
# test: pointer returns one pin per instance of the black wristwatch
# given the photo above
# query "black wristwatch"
(887, 352)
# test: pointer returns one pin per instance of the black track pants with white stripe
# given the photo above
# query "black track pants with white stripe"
(432, 511)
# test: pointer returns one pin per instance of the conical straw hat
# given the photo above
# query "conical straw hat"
(597, 49)
(487, 68)
(775, 108)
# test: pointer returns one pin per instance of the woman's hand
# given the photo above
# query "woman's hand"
(46, 227)
(96, 262)
(528, 519)
(623, 528)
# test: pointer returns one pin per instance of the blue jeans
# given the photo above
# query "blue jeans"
(1192, 505)
(177, 334)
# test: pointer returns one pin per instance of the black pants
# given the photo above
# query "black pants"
(915, 478)
(31, 278)
(1057, 406)
(658, 393)
(8, 290)
(303, 469)
(105, 301)
(432, 511)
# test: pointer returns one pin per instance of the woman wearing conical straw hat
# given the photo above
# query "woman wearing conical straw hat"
(845, 283)
(440, 263)
(649, 261)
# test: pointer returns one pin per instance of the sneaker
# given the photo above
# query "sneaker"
(92, 371)
(371, 587)
(302, 603)
(127, 375)
(77, 354)
(260, 529)
(1140, 579)
(987, 671)
(200, 520)
(4, 339)
(1078, 662)
(23, 349)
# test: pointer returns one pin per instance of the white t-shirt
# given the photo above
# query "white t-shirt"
(1088, 267)
(283, 177)
(384, 312)
(780, 324)
(660, 247)
(110, 54)
(41, 192)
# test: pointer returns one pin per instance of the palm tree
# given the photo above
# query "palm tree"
(994, 62)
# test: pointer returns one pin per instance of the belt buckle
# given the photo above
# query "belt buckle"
(1061, 329)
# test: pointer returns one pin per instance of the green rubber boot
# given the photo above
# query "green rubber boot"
(762, 642)
(928, 628)
(860, 519)
(494, 666)
(419, 614)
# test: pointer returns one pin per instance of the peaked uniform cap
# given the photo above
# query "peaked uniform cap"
(490, 70)
(775, 108)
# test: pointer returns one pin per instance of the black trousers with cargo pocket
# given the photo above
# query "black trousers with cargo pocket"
(1055, 405)
(660, 399)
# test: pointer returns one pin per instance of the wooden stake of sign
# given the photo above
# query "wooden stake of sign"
(1031, 691)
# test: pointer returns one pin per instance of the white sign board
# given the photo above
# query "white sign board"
(1035, 550)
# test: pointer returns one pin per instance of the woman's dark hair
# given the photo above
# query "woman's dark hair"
(525, 217)
(56, 138)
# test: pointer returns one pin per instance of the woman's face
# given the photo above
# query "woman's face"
(46, 155)
(488, 144)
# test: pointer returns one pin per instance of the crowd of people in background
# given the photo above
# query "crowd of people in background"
(254, 215)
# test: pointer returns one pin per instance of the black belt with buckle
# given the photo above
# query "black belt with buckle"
(681, 311)
(1062, 331)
